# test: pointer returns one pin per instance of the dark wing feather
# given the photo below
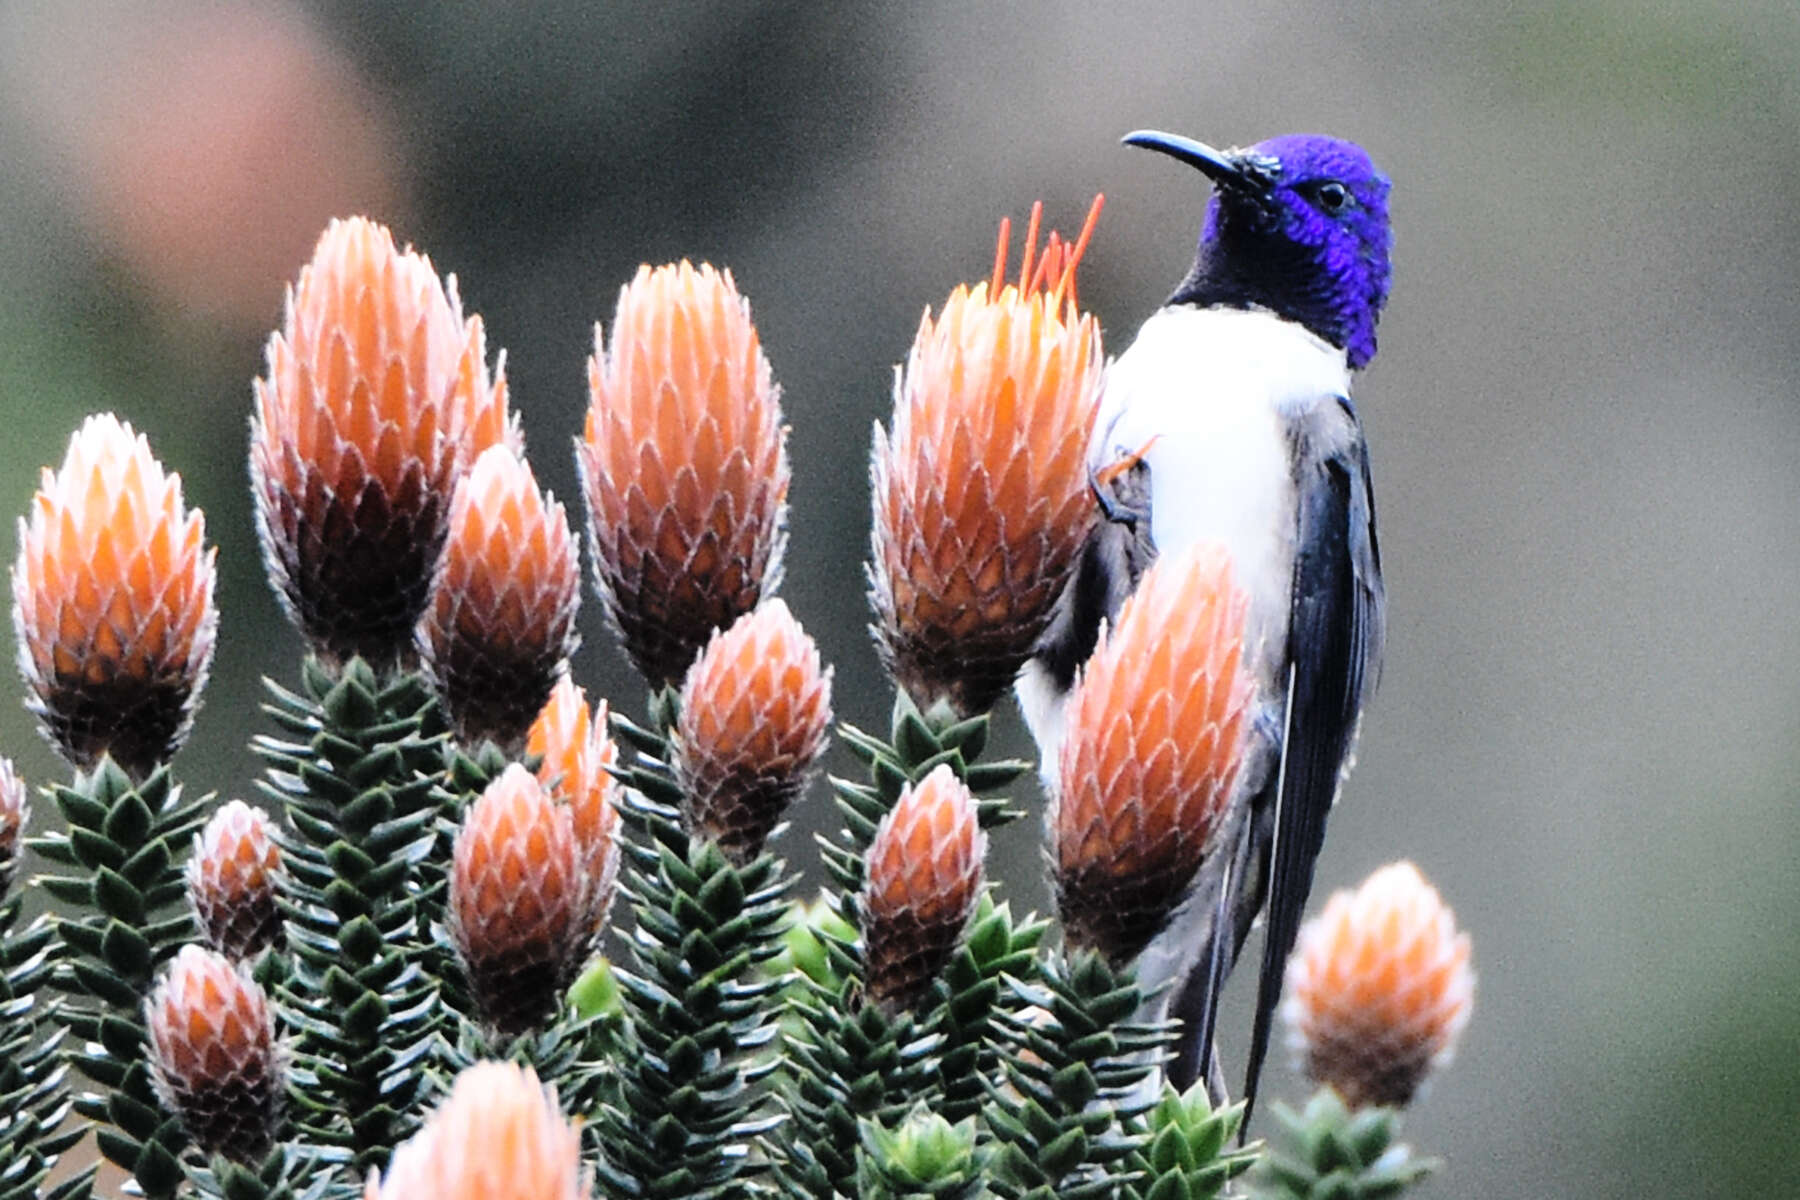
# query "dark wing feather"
(1115, 556)
(1335, 637)
(1234, 910)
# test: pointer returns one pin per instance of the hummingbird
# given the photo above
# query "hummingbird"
(1229, 419)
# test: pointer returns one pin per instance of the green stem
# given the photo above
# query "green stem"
(34, 1095)
(1074, 1065)
(360, 774)
(1187, 1151)
(689, 1115)
(1330, 1149)
(117, 856)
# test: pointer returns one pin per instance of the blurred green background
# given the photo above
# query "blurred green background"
(1583, 418)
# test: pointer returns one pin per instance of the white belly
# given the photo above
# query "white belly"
(1211, 393)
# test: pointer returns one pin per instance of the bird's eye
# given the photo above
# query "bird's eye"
(1333, 196)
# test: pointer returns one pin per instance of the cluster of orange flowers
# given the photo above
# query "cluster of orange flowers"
(980, 488)
(925, 876)
(113, 602)
(401, 522)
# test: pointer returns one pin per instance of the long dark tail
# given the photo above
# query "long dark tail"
(1240, 898)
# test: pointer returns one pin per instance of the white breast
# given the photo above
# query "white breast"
(1211, 393)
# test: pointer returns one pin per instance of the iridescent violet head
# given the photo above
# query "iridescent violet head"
(1297, 225)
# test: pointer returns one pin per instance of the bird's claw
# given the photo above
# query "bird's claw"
(1121, 487)
(1267, 724)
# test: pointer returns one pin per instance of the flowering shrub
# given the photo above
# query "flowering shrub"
(407, 976)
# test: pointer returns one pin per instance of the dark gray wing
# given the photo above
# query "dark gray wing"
(1114, 558)
(1239, 899)
(1335, 634)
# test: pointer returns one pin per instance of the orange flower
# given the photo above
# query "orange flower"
(754, 712)
(1155, 738)
(980, 489)
(577, 764)
(499, 1136)
(113, 602)
(501, 623)
(1379, 988)
(231, 881)
(684, 466)
(924, 877)
(518, 898)
(375, 401)
(14, 813)
(213, 1054)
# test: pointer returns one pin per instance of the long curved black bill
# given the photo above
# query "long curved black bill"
(1216, 165)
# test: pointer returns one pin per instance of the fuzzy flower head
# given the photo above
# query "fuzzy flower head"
(232, 879)
(501, 623)
(980, 487)
(1379, 989)
(213, 1054)
(376, 399)
(519, 899)
(755, 709)
(113, 602)
(1155, 738)
(684, 466)
(924, 879)
(15, 811)
(498, 1136)
(576, 764)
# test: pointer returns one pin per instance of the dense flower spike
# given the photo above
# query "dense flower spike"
(214, 1056)
(501, 622)
(755, 708)
(980, 489)
(376, 399)
(14, 813)
(577, 759)
(1379, 988)
(518, 899)
(231, 881)
(924, 877)
(113, 602)
(1156, 729)
(684, 466)
(499, 1136)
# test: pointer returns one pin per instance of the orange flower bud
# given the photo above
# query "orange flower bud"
(14, 813)
(1379, 988)
(1155, 737)
(924, 878)
(754, 713)
(113, 602)
(577, 764)
(518, 898)
(980, 489)
(213, 1054)
(499, 1136)
(231, 881)
(684, 466)
(375, 401)
(501, 623)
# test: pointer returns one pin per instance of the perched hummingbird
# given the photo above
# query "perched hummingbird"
(1229, 419)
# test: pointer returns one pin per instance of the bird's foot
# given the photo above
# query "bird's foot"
(1122, 487)
(1267, 724)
